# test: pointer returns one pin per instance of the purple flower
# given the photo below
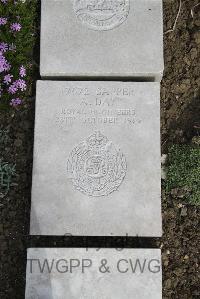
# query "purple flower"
(3, 21)
(21, 84)
(4, 1)
(2, 58)
(7, 66)
(2, 62)
(4, 65)
(3, 47)
(15, 102)
(22, 71)
(7, 78)
(13, 88)
(15, 26)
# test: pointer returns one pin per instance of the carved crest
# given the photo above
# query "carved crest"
(96, 167)
(101, 14)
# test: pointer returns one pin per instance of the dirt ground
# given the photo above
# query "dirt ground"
(180, 121)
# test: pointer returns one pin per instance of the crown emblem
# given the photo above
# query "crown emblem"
(95, 167)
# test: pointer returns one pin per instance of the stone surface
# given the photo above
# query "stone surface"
(79, 273)
(96, 159)
(78, 39)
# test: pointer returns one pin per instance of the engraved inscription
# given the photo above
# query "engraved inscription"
(95, 167)
(99, 107)
(101, 14)
(109, 116)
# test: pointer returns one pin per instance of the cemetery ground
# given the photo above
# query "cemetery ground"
(180, 125)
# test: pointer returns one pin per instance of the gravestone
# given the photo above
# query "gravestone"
(74, 273)
(90, 38)
(96, 165)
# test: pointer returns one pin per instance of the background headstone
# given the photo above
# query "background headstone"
(100, 39)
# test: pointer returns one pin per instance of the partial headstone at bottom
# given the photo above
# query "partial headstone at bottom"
(80, 273)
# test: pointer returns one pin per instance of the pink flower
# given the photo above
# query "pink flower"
(16, 102)
(22, 71)
(15, 27)
(3, 21)
(7, 78)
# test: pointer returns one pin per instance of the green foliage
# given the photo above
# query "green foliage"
(24, 40)
(3, 137)
(183, 171)
(7, 171)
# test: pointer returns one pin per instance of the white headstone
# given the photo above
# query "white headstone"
(96, 165)
(95, 38)
(72, 273)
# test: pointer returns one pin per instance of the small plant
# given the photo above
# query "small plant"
(183, 172)
(7, 171)
(4, 137)
(16, 45)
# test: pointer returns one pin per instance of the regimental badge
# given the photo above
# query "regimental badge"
(95, 167)
(101, 14)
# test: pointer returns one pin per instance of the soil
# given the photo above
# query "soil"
(180, 110)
